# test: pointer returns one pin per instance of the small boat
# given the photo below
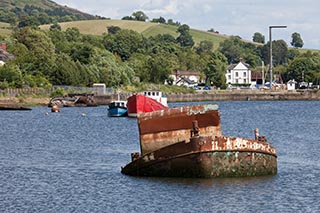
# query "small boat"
(117, 108)
(73, 100)
(187, 142)
(149, 101)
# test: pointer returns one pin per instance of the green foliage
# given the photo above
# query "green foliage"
(305, 67)
(124, 43)
(296, 40)
(215, 71)
(204, 47)
(258, 37)
(185, 39)
(59, 92)
(139, 16)
(11, 74)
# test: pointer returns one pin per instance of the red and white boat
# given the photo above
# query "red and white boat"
(149, 101)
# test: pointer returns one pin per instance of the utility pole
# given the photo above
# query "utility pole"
(270, 50)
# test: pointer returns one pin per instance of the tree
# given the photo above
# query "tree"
(139, 16)
(296, 40)
(124, 43)
(279, 52)
(215, 71)
(258, 37)
(159, 20)
(184, 39)
(55, 26)
(113, 29)
(204, 47)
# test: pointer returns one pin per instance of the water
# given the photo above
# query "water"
(65, 162)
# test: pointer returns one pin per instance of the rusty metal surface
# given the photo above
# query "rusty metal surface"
(207, 157)
(165, 127)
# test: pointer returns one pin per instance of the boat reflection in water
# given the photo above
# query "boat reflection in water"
(187, 142)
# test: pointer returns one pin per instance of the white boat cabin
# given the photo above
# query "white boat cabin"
(156, 95)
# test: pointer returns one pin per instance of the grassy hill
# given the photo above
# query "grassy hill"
(44, 5)
(5, 29)
(98, 27)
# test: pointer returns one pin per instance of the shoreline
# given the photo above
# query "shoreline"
(198, 96)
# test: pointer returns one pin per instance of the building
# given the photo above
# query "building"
(291, 85)
(4, 55)
(186, 78)
(239, 73)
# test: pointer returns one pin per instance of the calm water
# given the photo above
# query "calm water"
(63, 162)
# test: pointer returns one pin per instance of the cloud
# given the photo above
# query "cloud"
(241, 17)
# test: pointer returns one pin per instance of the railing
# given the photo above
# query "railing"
(13, 92)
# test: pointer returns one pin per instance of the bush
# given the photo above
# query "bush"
(58, 93)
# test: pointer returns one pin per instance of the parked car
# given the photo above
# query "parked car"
(207, 88)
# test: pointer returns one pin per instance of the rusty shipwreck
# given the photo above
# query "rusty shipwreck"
(188, 142)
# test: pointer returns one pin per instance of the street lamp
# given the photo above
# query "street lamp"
(270, 51)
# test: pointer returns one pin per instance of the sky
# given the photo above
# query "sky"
(229, 17)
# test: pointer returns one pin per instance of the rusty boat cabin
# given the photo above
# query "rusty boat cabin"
(187, 142)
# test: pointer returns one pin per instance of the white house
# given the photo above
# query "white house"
(239, 73)
(291, 85)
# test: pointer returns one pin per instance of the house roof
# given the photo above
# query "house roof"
(5, 56)
(232, 66)
(186, 73)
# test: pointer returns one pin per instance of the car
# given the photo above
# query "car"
(207, 88)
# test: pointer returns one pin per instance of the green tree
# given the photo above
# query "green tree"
(216, 69)
(113, 29)
(139, 16)
(204, 47)
(124, 43)
(296, 40)
(11, 74)
(258, 37)
(185, 39)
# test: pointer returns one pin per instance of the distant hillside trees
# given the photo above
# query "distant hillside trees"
(160, 20)
(184, 39)
(296, 40)
(258, 37)
(136, 16)
(31, 15)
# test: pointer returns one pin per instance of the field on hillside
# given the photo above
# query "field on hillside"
(98, 27)
(5, 29)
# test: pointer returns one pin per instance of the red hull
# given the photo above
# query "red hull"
(139, 103)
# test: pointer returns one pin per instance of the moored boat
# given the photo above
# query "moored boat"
(117, 108)
(187, 142)
(149, 101)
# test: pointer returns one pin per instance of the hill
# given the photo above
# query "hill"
(98, 27)
(20, 8)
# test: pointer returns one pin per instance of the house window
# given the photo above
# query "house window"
(237, 81)
(229, 77)
(244, 74)
(245, 81)
(237, 74)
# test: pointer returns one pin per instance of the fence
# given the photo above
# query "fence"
(13, 92)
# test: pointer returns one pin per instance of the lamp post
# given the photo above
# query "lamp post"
(270, 51)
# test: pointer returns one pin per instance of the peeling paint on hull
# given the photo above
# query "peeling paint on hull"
(190, 145)
(199, 159)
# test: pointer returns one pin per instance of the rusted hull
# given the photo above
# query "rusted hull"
(159, 129)
(205, 157)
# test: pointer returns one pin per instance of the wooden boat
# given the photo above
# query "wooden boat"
(187, 142)
(117, 108)
(147, 102)
(12, 105)
(73, 100)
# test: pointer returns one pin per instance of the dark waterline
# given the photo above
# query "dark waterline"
(65, 162)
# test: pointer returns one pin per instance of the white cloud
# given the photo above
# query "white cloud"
(241, 17)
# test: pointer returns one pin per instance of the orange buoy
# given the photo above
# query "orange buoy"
(55, 108)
